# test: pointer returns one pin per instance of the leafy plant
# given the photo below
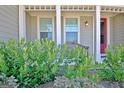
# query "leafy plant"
(3, 67)
(113, 65)
(77, 64)
(31, 63)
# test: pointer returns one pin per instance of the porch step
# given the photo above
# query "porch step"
(103, 57)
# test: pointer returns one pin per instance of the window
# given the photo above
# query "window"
(46, 28)
(71, 30)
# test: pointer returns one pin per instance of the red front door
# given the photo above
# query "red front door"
(103, 35)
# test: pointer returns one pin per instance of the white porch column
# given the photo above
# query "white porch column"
(98, 56)
(58, 24)
(22, 23)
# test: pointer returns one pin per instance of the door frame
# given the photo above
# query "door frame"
(105, 35)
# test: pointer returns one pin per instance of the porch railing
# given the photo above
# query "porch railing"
(80, 45)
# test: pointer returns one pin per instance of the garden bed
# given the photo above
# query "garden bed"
(37, 64)
(51, 84)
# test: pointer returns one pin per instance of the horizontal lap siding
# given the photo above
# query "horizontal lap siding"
(55, 33)
(9, 22)
(86, 32)
(28, 27)
(111, 31)
(118, 35)
(62, 29)
(31, 27)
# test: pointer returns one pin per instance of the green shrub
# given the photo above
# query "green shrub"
(3, 67)
(77, 64)
(36, 62)
(113, 65)
(31, 63)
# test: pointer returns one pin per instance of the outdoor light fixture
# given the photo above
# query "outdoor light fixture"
(86, 23)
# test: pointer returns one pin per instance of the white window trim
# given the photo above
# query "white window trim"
(108, 32)
(38, 26)
(78, 17)
(108, 29)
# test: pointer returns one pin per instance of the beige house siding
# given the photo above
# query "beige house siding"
(86, 32)
(9, 22)
(118, 29)
(55, 29)
(62, 29)
(111, 31)
(31, 27)
(28, 26)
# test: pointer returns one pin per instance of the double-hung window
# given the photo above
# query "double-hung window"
(71, 30)
(46, 28)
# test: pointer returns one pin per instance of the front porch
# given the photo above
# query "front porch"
(80, 24)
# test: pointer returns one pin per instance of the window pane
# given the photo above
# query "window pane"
(46, 25)
(71, 37)
(102, 33)
(46, 35)
(71, 21)
(71, 24)
(71, 30)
